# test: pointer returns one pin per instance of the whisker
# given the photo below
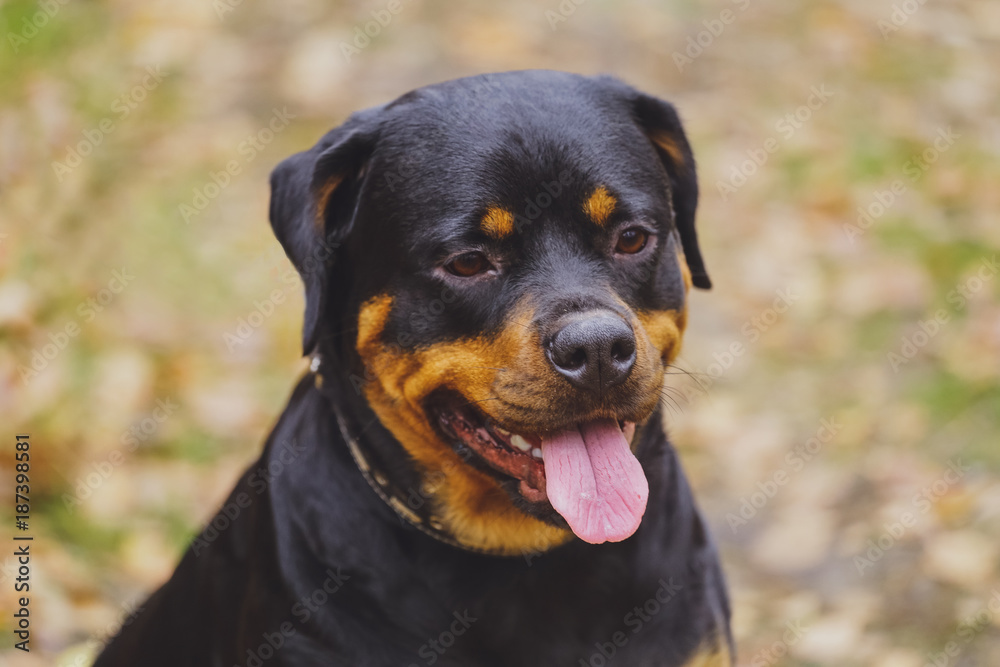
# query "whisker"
(681, 395)
(693, 375)
(351, 328)
(672, 406)
(684, 371)
(483, 400)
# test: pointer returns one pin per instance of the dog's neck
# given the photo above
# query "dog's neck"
(399, 485)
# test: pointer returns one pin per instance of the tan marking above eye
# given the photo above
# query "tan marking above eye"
(600, 205)
(497, 223)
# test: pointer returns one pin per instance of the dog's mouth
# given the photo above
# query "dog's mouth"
(586, 472)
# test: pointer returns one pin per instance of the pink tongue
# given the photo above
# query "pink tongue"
(594, 481)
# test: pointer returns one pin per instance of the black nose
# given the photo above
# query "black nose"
(594, 351)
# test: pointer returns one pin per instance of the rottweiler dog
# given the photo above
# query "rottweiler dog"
(475, 470)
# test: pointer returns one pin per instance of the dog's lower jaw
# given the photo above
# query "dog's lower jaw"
(502, 529)
(470, 506)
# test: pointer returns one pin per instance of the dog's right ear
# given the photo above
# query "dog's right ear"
(313, 196)
(662, 125)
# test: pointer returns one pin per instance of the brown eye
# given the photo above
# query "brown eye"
(632, 241)
(468, 264)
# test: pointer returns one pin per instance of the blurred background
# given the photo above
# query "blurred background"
(842, 430)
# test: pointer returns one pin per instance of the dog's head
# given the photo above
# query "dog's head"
(505, 259)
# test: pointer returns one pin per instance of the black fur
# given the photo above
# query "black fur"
(414, 178)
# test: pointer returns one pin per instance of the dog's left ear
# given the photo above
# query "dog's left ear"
(313, 197)
(661, 124)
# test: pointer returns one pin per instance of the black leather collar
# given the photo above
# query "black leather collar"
(371, 468)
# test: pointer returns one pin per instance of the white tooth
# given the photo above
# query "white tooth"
(537, 453)
(629, 431)
(502, 431)
(520, 443)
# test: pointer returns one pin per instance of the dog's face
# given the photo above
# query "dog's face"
(513, 254)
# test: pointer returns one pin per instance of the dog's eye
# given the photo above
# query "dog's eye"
(631, 241)
(468, 264)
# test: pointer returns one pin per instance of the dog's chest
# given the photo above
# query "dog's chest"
(605, 611)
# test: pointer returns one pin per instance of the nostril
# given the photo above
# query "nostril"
(575, 359)
(622, 349)
(567, 355)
